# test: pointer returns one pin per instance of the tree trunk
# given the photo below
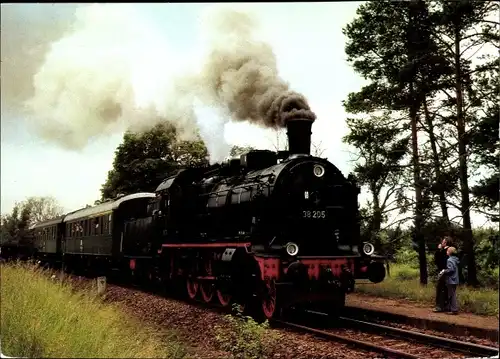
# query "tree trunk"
(437, 167)
(419, 238)
(462, 153)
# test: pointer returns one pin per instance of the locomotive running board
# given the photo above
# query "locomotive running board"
(206, 245)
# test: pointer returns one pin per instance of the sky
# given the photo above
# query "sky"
(306, 38)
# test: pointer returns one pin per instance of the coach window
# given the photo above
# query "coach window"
(98, 226)
(95, 226)
(110, 224)
(104, 220)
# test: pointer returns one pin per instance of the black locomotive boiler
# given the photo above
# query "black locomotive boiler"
(266, 230)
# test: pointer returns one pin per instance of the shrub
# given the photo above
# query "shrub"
(42, 316)
(405, 272)
(489, 277)
(243, 337)
(407, 256)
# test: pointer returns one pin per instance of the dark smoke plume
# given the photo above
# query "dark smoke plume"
(241, 75)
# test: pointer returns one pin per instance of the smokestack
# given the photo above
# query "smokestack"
(299, 135)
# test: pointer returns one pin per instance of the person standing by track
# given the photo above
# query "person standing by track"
(451, 279)
(440, 259)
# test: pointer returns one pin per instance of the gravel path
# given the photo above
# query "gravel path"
(197, 327)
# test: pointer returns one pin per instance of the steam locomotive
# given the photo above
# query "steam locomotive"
(266, 230)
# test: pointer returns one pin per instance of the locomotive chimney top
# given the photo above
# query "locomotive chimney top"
(299, 135)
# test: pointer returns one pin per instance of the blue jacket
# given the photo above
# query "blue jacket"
(451, 271)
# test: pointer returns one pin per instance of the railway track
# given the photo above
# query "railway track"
(435, 341)
(390, 341)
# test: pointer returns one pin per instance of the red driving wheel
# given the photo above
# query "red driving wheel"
(224, 298)
(207, 291)
(269, 299)
(192, 287)
(207, 286)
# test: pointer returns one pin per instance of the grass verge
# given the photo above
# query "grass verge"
(404, 284)
(45, 317)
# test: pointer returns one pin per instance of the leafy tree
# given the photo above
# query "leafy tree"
(142, 160)
(14, 226)
(414, 53)
(484, 141)
(380, 150)
(488, 255)
(42, 209)
(457, 32)
(238, 150)
(388, 43)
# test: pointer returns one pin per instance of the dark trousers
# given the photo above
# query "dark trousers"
(441, 294)
(452, 297)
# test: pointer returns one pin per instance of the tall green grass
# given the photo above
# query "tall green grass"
(45, 317)
(404, 284)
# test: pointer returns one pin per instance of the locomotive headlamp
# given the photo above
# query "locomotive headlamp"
(319, 170)
(368, 249)
(291, 249)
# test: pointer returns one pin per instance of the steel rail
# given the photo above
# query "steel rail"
(446, 343)
(357, 343)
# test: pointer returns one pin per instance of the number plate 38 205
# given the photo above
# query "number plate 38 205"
(314, 214)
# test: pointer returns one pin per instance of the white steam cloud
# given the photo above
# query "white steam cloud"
(112, 70)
